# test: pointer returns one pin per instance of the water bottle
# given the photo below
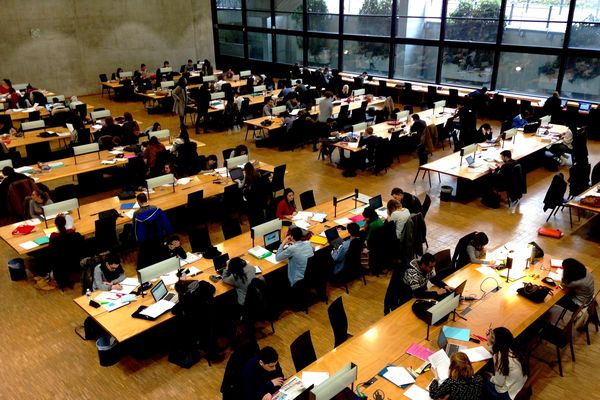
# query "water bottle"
(88, 293)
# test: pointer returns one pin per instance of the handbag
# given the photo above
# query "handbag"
(533, 292)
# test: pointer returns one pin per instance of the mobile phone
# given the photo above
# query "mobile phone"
(94, 303)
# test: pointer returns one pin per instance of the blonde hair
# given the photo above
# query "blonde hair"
(460, 366)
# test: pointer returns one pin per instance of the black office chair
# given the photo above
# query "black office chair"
(397, 292)
(425, 206)
(596, 173)
(104, 78)
(135, 172)
(81, 109)
(303, 351)
(227, 155)
(195, 213)
(579, 178)
(460, 257)
(307, 199)
(554, 198)
(278, 180)
(105, 236)
(231, 228)
(443, 263)
(200, 239)
(33, 116)
(257, 307)
(232, 201)
(65, 192)
(339, 321)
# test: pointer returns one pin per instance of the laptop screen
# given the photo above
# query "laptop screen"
(331, 234)
(236, 173)
(220, 262)
(442, 339)
(159, 291)
(470, 160)
(460, 288)
(271, 238)
(375, 202)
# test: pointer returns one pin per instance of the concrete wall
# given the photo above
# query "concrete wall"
(79, 39)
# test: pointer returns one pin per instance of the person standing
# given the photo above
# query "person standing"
(180, 100)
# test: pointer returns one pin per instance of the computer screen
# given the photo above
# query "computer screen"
(236, 173)
(331, 234)
(220, 262)
(545, 120)
(375, 202)
(272, 237)
(402, 115)
(159, 290)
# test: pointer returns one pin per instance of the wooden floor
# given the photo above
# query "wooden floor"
(41, 357)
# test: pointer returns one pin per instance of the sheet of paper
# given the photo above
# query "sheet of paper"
(33, 221)
(191, 257)
(156, 309)
(183, 181)
(30, 244)
(302, 224)
(417, 393)
(170, 279)
(440, 361)
(419, 351)
(485, 270)
(272, 259)
(342, 221)
(129, 214)
(194, 271)
(97, 126)
(478, 353)
(452, 332)
(557, 276)
(314, 378)
(555, 263)
(399, 376)
(319, 217)
(63, 134)
(106, 297)
(107, 162)
(130, 282)
(126, 289)
(302, 215)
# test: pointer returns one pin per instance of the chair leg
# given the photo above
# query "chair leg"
(559, 361)
(587, 334)
(272, 327)
(572, 350)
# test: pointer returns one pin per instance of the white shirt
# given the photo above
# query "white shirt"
(512, 383)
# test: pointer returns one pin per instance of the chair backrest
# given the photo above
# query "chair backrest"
(303, 351)
(278, 181)
(103, 78)
(596, 173)
(65, 192)
(85, 149)
(307, 199)
(338, 320)
(257, 306)
(426, 204)
(199, 239)
(579, 178)
(17, 191)
(397, 292)
(556, 192)
(443, 263)
(227, 155)
(105, 234)
(231, 228)
(461, 258)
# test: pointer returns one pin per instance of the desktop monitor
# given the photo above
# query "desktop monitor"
(145, 275)
(438, 106)
(126, 74)
(260, 88)
(234, 162)
(166, 70)
(245, 74)
(358, 92)
(167, 84)
(275, 111)
(545, 120)
(402, 115)
(261, 230)
(209, 78)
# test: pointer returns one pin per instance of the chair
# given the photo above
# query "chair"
(339, 321)
(195, 212)
(426, 204)
(105, 236)
(81, 109)
(443, 263)
(33, 116)
(231, 228)
(84, 136)
(452, 100)
(104, 78)
(232, 200)
(579, 178)
(227, 155)
(307, 199)
(17, 191)
(278, 180)
(257, 307)
(554, 198)
(592, 311)
(303, 351)
(596, 173)
(65, 192)
(516, 185)
(560, 337)
(397, 292)
(199, 239)
(461, 258)
(135, 172)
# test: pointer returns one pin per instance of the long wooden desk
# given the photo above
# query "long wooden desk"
(122, 326)
(32, 137)
(163, 197)
(386, 341)
(24, 115)
(575, 203)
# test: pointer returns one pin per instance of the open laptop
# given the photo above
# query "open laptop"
(472, 163)
(376, 203)
(164, 301)
(449, 348)
(531, 127)
(460, 288)
(333, 237)
(272, 240)
(236, 174)
(220, 262)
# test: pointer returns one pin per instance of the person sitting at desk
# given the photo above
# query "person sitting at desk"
(160, 77)
(131, 130)
(345, 91)
(240, 150)
(286, 90)
(339, 255)
(173, 248)
(211, 163)
(168, 168)
(407, 200)
(5, 86)
(155, 127)
(153, 148)
(461, 384)
(262, 375)
(476, 249)
(510, 366)
(181, 140)
(110, 135)
(300, 88)
(109, 274)
(286, 208)
(297, 251)
(220, 82)
(398, 215)
(580, 282)
(239, 274)
(207, 68)
(117, 75)
(35, 202)
(292, 104)
(372, 222)
(565, 146)
(65, 250)
(420, 276)
(483, 133)
(13, 98)
(266, 112)
(520, 120)
(418, 125)
(502, 175)
(10, 176)
(189, 67)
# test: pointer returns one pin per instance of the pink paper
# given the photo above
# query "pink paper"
(419, 351)
(357, 218)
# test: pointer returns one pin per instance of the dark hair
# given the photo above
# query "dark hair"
(268, 355)
(184, 135)
(113, 258)
(573, 270)
(128, 117)
(416, 117)
(296, 233)
(427, 258)
(8, 170)
(153, 140)
(8, 82)
(328, 94)
(109, 121)
(480, 239)
(504, 345)
(486, 126)
(240, 149)
(236, 268)
(165, 62)
(190, 61)
(397, 191)
(393, 205)
(250, 174)
(506, 153)
(285, 194)
(172, 238)
(353, 229)
(141, 197)
(525, 114)
(61, 223)
(143, 65)
(155, 126)
(370, 214)
(211, 157)
(43, 195)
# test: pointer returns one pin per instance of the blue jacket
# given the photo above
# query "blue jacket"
(150, 222)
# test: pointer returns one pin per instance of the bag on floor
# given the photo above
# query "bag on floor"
(491, 200)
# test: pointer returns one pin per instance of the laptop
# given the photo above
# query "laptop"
(164, 301)
(472, 163)
(376, 203)
(532, 127)
(220, 262)
(272, 240)
(333, 237)
(585, 106)
(449, 348)
(236, 174)
(460, 288)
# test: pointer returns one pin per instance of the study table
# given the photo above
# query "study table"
(487, 155)
(23, 114)
(163, 197)
(122, 326)
(575, 202)
(386, 341)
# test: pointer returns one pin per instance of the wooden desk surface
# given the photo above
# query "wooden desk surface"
(576, 204)
(524, 145)
(24, 115)
(386, 341)
(31, 137)
(122, 326)
(163, 198)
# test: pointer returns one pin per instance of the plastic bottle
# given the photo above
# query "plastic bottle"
(88, 293)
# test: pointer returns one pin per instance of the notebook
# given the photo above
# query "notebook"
(333, 237)
(164, 301)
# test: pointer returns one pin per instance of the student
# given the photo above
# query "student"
(372, 221)
(111, 134)
(189, 67)
(149, 221)
(65, 247)
(179, 95)
(398, 215)
(262, 375)
(207, 68)
(461, 384)
(131, 130)
(418, 125)
(326, 107)
(297, 252)
(239, 274)
(256, 191)
(240, 150)
(339, 255)
(220, 82)
(109, 274)
(476, 249)
(484, 133)
(520, 120)
(182, 139)
(64, 225)
(286, 208)
(420, 276)
(37, 200)
(502, 175)
(407, 200)
(580, 283)
(553, 105)
(5, 86)
(173, 248)
(266, 112)
(202, 99)
(211, 163)
(153, 148)
(155, 127)
(510, 367)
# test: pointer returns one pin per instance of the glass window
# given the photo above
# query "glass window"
(419, 19)
(417, 63)
(289, 49)
(469, 67)
(473, 21)
(582, 79)
(231, 43)
(371, 57)
(536, 23)
(288, 14)
(323, 15)
(367, 17)
(322, 52)
(585, 31)
(258, 13)
(259, 46)
(528, 73)
(229, 12)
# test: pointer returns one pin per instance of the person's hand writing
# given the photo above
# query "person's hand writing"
(441, 291)
(277, 381)
(267, 396)
(116, 286)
